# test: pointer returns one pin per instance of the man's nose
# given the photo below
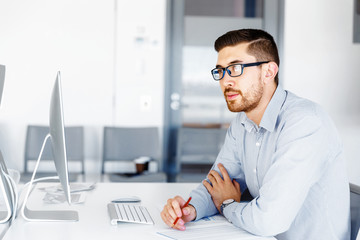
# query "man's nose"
(227, 79)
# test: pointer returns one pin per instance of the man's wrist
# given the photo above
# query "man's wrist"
(226, 203)
(192, 206)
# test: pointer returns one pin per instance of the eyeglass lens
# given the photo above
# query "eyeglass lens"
(233, 70)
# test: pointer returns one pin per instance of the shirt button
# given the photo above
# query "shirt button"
(254, 170)
(257, 144)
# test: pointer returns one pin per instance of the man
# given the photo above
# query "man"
(282, 148)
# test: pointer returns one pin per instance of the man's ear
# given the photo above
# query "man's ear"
(270, 70)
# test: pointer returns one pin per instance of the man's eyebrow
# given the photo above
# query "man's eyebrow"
(235, 61)
(232, 62)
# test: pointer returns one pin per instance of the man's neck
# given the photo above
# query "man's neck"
(257, 113)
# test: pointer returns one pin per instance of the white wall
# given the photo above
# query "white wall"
(38, 38)
(321, 63)
(140, 62)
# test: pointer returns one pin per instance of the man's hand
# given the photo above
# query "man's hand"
(172, 210)
(222, 187)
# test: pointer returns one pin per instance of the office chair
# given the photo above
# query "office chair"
(355, 210)
(74, 139)
(123, 145)
(196, 152)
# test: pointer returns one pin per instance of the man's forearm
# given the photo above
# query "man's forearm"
(202, 202)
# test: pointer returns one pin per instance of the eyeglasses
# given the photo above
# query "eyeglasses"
(234, 70)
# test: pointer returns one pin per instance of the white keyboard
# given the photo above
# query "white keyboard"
(120, 212)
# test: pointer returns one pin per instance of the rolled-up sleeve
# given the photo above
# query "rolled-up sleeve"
(229, 157)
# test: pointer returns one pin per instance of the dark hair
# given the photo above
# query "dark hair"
(261, 44)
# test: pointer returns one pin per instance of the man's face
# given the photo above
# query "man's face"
(242, 93)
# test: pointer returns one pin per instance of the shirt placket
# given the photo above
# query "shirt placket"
(258, 142)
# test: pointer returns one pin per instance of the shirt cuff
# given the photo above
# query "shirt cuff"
(198, 205)
(230, 211)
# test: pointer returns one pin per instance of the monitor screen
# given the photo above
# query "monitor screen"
(2, 80)
(7, 190)
(57, 135)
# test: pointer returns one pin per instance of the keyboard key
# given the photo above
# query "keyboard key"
(146, 214)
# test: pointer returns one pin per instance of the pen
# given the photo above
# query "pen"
(185, 205)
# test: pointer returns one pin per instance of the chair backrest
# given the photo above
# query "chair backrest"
(128, 143)
(198, 145)
(355, 210)
(74, 140)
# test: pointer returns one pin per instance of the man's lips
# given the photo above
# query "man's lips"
(231, 96)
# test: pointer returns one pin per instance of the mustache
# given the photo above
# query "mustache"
(233, 90)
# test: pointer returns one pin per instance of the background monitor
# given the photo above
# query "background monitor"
(9, 193)
(7, 186)
(57, 136)
(2, 80)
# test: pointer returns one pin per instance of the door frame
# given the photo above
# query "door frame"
(273, 22)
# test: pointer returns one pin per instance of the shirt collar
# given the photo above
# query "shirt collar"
(268, 121)
(246, 122)
(271, 113)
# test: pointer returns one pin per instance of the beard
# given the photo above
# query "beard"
(248, 100)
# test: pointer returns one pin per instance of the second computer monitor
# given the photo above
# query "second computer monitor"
(57, 136)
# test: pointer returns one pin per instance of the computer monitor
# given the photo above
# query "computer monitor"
(8, 191)
(7, 185)
(57, 137)
(2, 80)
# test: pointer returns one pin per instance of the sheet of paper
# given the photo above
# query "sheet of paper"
(74, 187)
(59, 197)
(215, 227)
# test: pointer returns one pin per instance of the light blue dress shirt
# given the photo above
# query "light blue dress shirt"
(293, 166)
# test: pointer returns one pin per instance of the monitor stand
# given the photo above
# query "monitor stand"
(8, 190)
(49, 216)
(5, 216)
(42, 215)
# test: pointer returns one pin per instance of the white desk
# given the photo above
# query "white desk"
(94, 220)
(3, 228)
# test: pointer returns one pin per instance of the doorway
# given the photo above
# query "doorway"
(192, 98)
